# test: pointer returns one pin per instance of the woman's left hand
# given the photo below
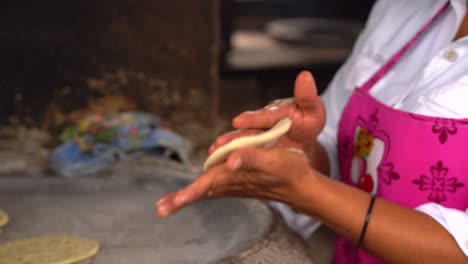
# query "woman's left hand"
(272, 174)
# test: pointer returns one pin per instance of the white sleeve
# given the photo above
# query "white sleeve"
(303, 225)
(455, 221)
(335, 98)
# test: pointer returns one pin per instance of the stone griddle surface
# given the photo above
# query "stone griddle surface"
(118, 211)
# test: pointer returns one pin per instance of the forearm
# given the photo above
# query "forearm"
(318, 158)
(395, 234)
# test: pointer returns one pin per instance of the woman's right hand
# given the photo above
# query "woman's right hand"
(306, 110)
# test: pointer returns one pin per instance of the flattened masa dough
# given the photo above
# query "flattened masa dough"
(3, 218)
(221, 154)
(48, 250)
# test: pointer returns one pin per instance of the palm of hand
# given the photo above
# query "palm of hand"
(272, 174)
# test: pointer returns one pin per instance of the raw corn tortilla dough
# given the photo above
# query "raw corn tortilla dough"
(48, 250)
(262, 139)
(3, 218)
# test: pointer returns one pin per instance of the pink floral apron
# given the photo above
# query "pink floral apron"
(405, 158)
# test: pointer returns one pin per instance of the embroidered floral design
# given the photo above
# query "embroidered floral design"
(438, 183)
(387, 173)
(362, 148)
(444, 127)
(363, 144)
(346, 147)
(373, 121)
(366, 183)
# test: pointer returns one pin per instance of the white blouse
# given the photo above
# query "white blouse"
(431, 79)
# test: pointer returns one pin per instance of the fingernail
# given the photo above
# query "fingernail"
(308, 74)
(235, 120)
(272, 108)
(180, 199)
(296, 150)
(210, 193)
(163, 211)
(160, 201)
(238, 119)
(237, 164)
(211, 149)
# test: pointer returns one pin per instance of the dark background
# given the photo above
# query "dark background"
(252, 88)
(61, 60)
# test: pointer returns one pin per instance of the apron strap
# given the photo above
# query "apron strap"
(384, 70)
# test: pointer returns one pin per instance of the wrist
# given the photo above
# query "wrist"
(318, 157)
(307, 191)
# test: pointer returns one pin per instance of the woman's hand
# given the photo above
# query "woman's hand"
(273, 174)
(306, 110)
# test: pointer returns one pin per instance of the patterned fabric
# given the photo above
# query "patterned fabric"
(98, 141)
(128, 130)
(405, 158)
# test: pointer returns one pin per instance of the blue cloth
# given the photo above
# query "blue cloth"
(98, 142)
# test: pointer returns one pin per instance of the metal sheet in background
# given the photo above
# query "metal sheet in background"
(316, 32)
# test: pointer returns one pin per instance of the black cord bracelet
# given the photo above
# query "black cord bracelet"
(366, 222)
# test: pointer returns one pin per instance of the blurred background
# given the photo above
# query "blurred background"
(265, 43)
(195, 64)
(88, 84)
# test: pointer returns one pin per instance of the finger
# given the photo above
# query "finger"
(199, 189)
(211, 149)
(228, 137)
(265, 160)
(262, 119)
(273, 105)
(164, 204)
(172, 202)
(273, 102)
(253, 159)
(305, 91)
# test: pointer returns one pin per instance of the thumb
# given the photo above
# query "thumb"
(305, 91)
